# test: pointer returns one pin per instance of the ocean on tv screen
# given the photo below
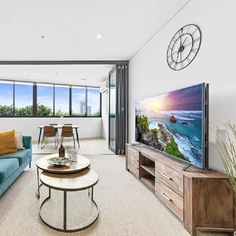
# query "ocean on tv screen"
(172, 123)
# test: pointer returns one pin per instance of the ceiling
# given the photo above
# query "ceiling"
(68, 29)
(91, 75)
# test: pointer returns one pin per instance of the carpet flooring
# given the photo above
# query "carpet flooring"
(126, 206)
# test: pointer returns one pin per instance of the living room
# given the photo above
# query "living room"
(85, 91)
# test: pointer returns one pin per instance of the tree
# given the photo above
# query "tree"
(44, 110)
(24, 111)
(6, 110)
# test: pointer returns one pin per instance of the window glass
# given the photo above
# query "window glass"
(93, 103)
(6, 98)
(44, 100)
(78, 101)
(61, 100)
(23, 99)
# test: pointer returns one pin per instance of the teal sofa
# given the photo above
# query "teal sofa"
(13, 164)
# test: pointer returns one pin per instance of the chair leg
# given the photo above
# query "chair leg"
(55, 142)
(74, 140)
(43, 142)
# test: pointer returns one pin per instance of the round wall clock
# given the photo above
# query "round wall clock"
(184, 47)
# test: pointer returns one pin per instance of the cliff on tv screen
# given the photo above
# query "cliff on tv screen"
(172, 123)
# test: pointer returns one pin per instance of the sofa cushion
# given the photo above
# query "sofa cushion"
(19, 141)
(7, 167)
(7, 142)
(21, 155)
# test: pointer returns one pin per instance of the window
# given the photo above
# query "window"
(93, 103)
(78, 99)
(23, 99)
(44, 100)
(61, 100)
(6, 98)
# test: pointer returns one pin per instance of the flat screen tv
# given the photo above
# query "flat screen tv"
(176, 123)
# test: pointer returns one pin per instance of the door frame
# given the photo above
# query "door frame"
(109, 110)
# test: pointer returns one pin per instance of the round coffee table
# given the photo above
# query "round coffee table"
(42, 164)
(70, 182)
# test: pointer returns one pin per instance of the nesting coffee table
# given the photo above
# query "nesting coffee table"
(70, 177)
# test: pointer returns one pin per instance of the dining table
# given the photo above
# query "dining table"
(74, 127)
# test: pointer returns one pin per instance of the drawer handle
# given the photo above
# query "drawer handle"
(166, 197)
(167, 177)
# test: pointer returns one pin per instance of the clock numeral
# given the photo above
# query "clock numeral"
(194, 50)
(170, 63)
(196, 39)
(189, 59)
(188, 28)
(174, 67)
(194, 31)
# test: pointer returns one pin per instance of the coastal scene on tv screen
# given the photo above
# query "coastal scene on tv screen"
(172, 123)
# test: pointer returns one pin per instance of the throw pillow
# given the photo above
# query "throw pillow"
(19, 141)
(7, 142)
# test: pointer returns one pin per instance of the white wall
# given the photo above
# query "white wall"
(215, 63)
(88, 127)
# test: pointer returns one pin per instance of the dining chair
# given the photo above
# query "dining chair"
(67, 132)
(49, 132)
(56, 129)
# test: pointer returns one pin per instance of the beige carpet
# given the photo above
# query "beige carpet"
(127, 207)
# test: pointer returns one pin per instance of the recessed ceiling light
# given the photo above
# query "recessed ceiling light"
(24, 74)
(99, 36)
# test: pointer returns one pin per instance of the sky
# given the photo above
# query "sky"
(23, 96)
(183, 99)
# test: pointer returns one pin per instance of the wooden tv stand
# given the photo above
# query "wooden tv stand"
(201, 199)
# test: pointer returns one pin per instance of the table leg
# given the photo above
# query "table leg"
(77, 136)
(92, 194)
(65, 208)
(40, 132)
(38, 193)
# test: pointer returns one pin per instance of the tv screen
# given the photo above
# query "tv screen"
(176, 123)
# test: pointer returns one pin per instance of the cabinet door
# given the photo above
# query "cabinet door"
(133, 161)
(211, 204)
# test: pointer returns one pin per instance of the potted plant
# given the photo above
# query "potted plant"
(226, 149)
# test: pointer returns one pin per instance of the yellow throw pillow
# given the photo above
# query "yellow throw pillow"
(7, 142)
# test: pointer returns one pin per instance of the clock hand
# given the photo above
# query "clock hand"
(177, 58)
(197, 39)
(180, 38)
(184, 40)
(173, 53)
(180, 56)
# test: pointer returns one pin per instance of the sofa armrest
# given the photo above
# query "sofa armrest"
(27, 143)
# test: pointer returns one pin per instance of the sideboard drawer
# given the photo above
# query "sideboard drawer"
(170, 177)
(171, 199)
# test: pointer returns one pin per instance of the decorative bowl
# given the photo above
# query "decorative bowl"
(58, 161)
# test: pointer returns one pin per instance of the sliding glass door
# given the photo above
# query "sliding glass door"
(118, 108)
(112, 109)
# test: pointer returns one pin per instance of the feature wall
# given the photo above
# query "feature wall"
(214, 64)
